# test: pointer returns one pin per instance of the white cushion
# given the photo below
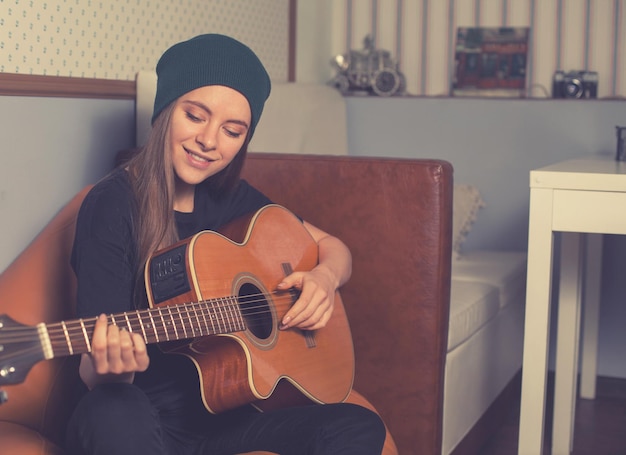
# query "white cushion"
(472, 305)
(466, 203)
(303, 118)
(505, 270)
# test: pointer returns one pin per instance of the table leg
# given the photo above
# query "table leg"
(537, 322)
(591, 316)
(568, 331)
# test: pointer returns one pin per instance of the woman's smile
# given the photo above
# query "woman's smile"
(197, 160)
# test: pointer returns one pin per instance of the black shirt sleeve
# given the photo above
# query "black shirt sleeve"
(102, 255)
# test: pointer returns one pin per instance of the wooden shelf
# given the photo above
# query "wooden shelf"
(65, 87)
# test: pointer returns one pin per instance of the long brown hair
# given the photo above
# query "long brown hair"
(152, 178)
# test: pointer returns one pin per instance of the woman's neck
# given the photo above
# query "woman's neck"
(184, 197)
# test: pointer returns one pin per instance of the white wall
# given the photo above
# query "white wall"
(313, 41)
(51, 148)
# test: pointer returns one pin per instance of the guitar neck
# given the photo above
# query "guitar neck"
(155, 325)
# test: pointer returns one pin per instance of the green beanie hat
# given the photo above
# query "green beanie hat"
(211, 59)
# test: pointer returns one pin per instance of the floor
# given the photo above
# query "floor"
(600, 427)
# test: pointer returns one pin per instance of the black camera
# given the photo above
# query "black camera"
(575, 84)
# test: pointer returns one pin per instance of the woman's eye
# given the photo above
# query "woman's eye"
(192, 117)
(234, 134)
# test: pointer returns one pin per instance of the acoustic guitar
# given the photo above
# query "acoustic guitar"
(212, 297)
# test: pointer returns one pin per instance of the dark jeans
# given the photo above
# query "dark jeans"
(119, 419)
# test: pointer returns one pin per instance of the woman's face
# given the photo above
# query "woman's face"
(208, 127)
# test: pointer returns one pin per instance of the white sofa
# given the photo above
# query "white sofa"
(485, 335)
(487, 294)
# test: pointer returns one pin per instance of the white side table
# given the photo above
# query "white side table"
(582, 198)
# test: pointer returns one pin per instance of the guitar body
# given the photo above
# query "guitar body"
(259, 364)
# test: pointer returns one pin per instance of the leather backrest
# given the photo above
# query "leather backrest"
(396, 217)
(39, 286)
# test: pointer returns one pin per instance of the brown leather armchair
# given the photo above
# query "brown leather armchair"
(396, 217)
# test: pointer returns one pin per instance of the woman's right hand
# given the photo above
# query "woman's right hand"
(116, 355)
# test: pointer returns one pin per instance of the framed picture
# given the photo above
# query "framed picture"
(490, 61)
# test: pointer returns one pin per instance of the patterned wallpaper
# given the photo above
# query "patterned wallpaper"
(113, 39)
(565, 34)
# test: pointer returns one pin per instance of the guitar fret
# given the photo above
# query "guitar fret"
(131, 324)
(140, 322)
(57, 339)
(128, 324)
(195, 312)
(191, 312)
(236, 318)
(226, 315)
(154, 328)
(203, 312)
(85, 336)
(173, 322)
(211, 314)
(163, 323)
(218, 315)
(208, 311)
(67, 338)
(184, 326)
(189, 321)
(183, 321)
(167, 334)
(229, 314)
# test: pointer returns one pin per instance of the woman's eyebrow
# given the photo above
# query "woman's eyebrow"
(206, 108)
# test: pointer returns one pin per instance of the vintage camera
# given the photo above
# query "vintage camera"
(575, 84)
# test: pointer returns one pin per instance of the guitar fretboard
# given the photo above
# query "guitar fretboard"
(155, 325)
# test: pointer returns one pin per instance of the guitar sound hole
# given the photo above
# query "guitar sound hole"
(255, 310)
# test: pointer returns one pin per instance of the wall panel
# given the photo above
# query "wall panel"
(601, 32)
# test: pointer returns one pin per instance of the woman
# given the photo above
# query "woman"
(210, 95)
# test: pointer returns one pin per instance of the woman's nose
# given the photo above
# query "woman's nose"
(207, 137)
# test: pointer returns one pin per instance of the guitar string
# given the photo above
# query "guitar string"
(201, 305)
(56, 332)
